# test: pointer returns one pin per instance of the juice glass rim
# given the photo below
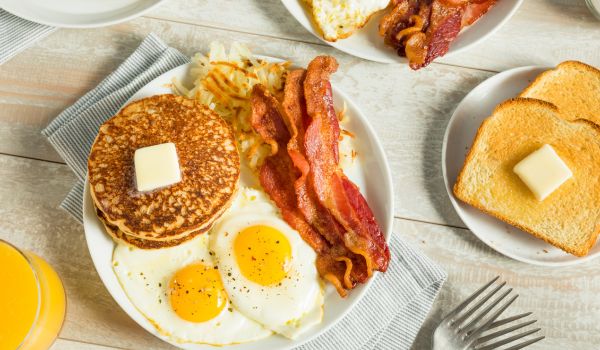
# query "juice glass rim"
(38, 287)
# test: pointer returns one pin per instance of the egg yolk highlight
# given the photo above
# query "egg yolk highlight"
(196, 293)
(263, 254)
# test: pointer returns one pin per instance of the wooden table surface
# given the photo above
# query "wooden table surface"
(409, 111)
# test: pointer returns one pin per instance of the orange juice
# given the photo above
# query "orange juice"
(32, 301)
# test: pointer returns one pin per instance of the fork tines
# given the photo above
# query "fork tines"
(472, 321)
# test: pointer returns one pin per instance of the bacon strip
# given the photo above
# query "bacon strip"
(277, 176)
(295, 113)
(335, 192)
(442, 21)
(316, 214)
(444, 26)
(396, 20)
(302, 176)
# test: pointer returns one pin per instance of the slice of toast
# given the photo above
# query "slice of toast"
(569, 218)
(573, 87)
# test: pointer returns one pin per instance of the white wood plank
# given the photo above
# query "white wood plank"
(64, 344)
(565, 300)
(542, 32)
(269, 17)
(409, 111)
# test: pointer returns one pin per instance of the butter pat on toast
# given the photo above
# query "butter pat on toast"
(569, 217)
(573, 87)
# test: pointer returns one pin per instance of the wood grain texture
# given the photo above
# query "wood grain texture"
(64, 344)
(542, 32)
(563, 300)
(409, 111)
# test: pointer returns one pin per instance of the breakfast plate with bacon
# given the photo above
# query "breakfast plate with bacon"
(228, 203)
(409, 31)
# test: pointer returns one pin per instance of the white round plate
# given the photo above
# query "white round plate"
(366, 42)
(78, 13)
(460, 133)
(377, 188)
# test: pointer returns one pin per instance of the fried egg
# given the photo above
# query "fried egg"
(268, 271)
(338, 19)
(180, 291)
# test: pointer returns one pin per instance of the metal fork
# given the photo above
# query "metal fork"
(463, 328)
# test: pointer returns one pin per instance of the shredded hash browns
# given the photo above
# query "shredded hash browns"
(224, 80)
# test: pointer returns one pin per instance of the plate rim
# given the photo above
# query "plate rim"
(455, 202)
(378, 150)
(398, 59)
(95, 24)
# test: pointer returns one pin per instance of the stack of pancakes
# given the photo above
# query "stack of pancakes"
(168, 216)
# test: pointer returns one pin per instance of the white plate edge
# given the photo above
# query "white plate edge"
(83, 26)
(398, 59)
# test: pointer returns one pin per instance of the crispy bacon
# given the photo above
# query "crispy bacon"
(444, 26)
(423, 30)
(277, 176)
(474, 10)
(454, 2)
(316, 214)
(277, 172)
(396, 20)
(296, 118)
(302, 176)
(402, 18)
(333, 189)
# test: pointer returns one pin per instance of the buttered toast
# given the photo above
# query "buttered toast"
(569, 218)
(573, 87)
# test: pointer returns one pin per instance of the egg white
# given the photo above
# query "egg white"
(288, 308)
(145, 276)
(338, 19)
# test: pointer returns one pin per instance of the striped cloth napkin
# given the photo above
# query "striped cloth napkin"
(17, 33)
(388, 317)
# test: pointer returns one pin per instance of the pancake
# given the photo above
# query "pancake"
(120, 237)
(208, 159)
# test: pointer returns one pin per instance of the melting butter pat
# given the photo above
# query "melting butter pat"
(156, 166)
(543, 171)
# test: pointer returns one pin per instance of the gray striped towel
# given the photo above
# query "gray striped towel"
(17, 33)
(388, 317)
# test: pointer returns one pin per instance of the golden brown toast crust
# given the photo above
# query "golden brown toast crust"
(208, 157)
(543, 76)
(459, 188)
(529, 91)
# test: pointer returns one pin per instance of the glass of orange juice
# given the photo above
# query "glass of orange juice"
(32, 300)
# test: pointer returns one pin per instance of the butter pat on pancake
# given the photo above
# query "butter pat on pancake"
(156, 166)
(208, 160)
(181, 293)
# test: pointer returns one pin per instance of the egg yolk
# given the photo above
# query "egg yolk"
(263, 254)
(196, 293)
